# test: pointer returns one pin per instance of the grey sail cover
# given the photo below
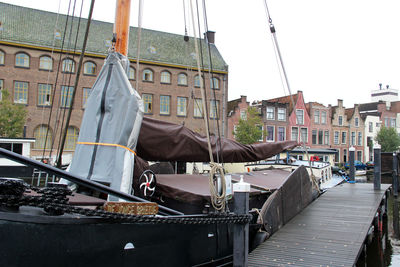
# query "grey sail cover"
(110, 128)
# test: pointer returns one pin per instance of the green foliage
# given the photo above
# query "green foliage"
(12, 117)
(249, 131)
(388, 139)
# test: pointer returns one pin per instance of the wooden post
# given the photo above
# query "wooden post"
(377, 167)
(351, 165)
(121, 26)
(395, 182)
(241, 231)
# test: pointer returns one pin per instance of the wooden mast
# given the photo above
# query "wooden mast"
(121, 26)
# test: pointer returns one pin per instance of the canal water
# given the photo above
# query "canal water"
(383, 248)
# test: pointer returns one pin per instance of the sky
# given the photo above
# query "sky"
(331, 49)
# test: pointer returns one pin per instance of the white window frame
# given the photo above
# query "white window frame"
(338, 138)
(316, 116)
(273, 133)
(306, 139)
(291, 134)
(324, 116)
(302, 117)
(284, 133)
(341, 138)
(270, 110)
(280, 114)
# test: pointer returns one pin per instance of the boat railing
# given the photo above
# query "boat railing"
(53, 171)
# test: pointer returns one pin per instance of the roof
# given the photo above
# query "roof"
(349, 113)
(284, 100)
(27, 26)
(368, 106)
(232, 105)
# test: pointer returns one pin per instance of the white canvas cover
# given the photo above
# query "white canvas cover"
(110, 128)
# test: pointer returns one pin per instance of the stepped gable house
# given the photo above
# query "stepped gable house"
(32, 52)
(237, 109)
(320, 125)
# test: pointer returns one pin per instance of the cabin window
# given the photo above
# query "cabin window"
(304, 135)
(299, 116)
(66, 96)
(14, 147)
(164, 104)
(320, 137)
(281, 133)
(182, 79)
(181, 106)
(89, 68)
(71, 138)
(214, 83)
(336, 138)
(214, 109)
(316, 116)
(147, 75)
(2, 56)
(359, 139)
(44, 94)
(20, 92)
(270, 133)
(85, 95)
(45, 63)
(131, 73)
(270, 113)
(148, 103)
(22, 60)
(43, 136)
(295, 133)
(68, 65)
(165, 77)
(323, 117)
(344, 137)
(326, 142)
(198, 108)
(281, 114)
(314, 137)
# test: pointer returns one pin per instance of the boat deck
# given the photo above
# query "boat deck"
(329, 232)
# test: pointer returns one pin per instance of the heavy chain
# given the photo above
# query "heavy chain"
(53, 201)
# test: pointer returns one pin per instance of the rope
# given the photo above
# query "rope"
(106, 144)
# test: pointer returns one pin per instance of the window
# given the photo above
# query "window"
(314, 137)
(371, 127)
(345, 155)
(89, 68)
(85, 95)
(40, 136)
(316, 116)
(281, 114)
(198, 108)
(344, 137)
(21, 92)
(22, 60)
(165, 77)
(148, 103)
(300, 116)
(281, 133)
(270, 113)
(304, 135)
(323, 117)
(181, 106)
(214, 83)
(320, 137)
(270, 133)
(295, 133)
(71, 138)
(66, 96)
(182, 79)
(359, 139)
(261, 128)
(340, 120)
(214, 109)
(353, 138)
(359, 155)
(326, 142)
(164, 104)
(147, 75)
(234, 130)
(393, 123)
(44, 94)
(356, 122)
(45, 63)
(336, 138)
(387, 122)
(1, 89)
(131, 73)
(243, 115)
(68, 65)
(2, 56)
(196, 81)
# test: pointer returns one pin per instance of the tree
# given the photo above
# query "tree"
(388, 139)
(12, 117)
(249, 130)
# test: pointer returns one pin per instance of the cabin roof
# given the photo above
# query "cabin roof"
(32, 27)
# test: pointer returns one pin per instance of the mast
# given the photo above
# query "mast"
(121, 26)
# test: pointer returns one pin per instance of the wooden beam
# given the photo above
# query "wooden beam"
(121, 26)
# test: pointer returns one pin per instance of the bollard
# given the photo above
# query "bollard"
(395, 182)
(377, 167)
(352, 171)
(241, 192)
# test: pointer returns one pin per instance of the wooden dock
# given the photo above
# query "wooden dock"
(330, 232)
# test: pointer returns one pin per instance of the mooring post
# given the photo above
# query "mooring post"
(351, 165)
(377, 167)
(241, 192)
(395, 182)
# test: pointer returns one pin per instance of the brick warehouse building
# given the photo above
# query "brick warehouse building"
(30, 55)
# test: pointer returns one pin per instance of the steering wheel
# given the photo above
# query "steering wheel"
(147, 184)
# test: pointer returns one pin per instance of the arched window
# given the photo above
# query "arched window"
(89, 68)
(68, 65)
(196, 81)
(147, 75)
(182, 79)
(165, 77)
(22, 60)
(131, 73)
(45, 63)
(71, 138)
(214, 83)
(2, 56)
(40, 136)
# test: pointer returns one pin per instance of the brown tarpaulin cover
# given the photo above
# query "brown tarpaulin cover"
(165, 141)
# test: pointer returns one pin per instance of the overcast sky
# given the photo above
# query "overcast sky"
(331, 48)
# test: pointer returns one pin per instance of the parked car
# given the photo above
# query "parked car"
(369, 164)
(357, 164)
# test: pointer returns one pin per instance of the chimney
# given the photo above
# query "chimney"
(380, 86)
(387, 86)
(340, 103)
(210, 35)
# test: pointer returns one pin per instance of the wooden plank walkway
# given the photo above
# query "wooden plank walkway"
(329, 232)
